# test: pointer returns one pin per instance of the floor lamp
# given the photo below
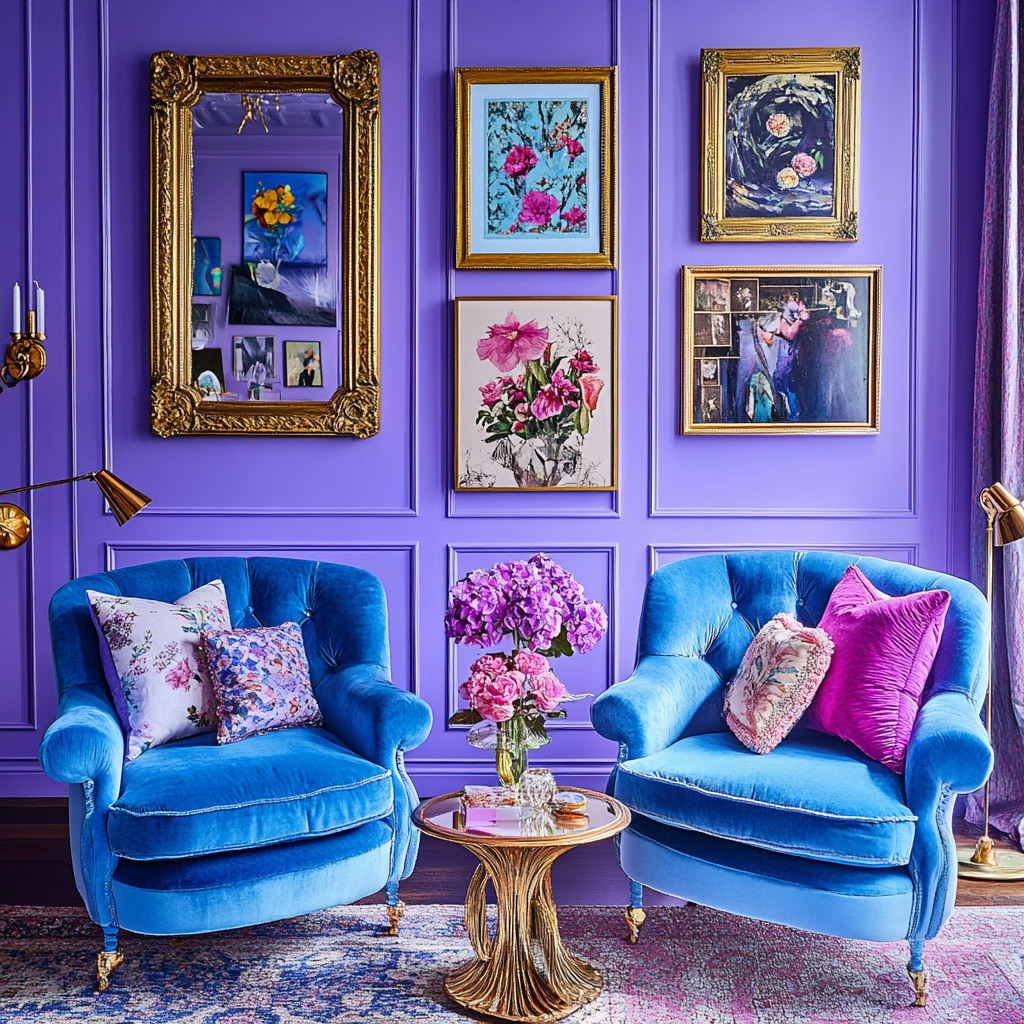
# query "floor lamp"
(124, 502)
(1005, 525)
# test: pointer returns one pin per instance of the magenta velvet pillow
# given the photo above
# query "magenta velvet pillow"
(778, 677)
(883, 651)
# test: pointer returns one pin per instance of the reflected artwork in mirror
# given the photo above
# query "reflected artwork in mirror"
(275, 159)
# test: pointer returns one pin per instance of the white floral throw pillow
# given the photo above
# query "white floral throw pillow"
(777, 679)
(151, 655)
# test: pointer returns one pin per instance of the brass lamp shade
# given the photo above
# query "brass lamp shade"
(124, 500)
(1010, 517)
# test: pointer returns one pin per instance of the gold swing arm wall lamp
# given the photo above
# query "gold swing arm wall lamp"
(1005, 525)
(124, 502)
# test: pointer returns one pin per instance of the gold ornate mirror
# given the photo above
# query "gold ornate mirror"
(264, 218)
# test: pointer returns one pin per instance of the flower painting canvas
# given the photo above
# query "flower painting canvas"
(535, 167)
(535, 394)
(780, 142)
(791, 350)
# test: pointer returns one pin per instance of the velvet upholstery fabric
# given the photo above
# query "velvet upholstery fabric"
(343, 616)
(883, 651)
(699, 615)
(813, 796)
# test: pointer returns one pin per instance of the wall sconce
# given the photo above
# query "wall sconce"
(124, 501)
(25, 357)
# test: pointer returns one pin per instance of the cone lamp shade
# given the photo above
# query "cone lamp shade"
(123, 499)
(1010, 517)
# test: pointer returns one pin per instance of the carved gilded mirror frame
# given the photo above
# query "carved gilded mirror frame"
(177, 82)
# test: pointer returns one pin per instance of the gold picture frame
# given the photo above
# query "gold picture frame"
(560, 328)
(803, 186)
(570, 239)
(177, 83)
(781, 350)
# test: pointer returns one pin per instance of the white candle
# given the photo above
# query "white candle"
(16, 318)
(39, 309)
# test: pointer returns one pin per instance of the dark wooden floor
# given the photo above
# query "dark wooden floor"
(35, 868)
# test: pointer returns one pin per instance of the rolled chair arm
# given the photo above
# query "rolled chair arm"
(949, 746)
(374, 717)
(651, 709)
(85, 743)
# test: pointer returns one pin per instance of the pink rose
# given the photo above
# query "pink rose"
(538, 208)
(590, 385)
(180, 676)
(491, 393)
(583, 362)
(520, 160)
(489, 664)
(548, 691)
(574, 218)
(495, 698)
(531, 663)
(573, 148)
(804, 164)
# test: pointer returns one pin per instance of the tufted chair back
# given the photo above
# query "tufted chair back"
(341, 609)
(710, 606)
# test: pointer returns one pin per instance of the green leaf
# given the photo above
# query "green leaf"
(584, 418)
(560, 713)
(534, 369)
(470, 716)
(536, 733)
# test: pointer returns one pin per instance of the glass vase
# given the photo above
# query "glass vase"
(511, 753)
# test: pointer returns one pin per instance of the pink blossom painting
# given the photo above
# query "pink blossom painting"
(535, 394)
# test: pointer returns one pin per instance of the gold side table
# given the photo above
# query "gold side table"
(503, 979)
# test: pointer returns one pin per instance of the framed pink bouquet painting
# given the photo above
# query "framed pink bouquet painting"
(535, 393)
(535, 167)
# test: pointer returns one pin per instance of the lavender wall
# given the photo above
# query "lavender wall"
(75, 79)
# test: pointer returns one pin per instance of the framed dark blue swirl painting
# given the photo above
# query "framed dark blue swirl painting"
(780, 137)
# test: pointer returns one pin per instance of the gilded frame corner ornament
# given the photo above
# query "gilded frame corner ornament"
(871, 311)
(716, 67)
(606, 256)
(177, 81)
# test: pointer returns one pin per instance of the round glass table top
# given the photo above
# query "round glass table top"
(445, 817)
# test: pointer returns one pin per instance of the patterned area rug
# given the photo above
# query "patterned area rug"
(691, 965)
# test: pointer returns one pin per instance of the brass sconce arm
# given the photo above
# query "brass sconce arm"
(124, 502)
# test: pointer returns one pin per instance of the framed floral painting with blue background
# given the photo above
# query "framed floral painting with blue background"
(535, 167)
(781, 350)
(780, 134)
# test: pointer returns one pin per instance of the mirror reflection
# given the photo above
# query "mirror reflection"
(266, 188)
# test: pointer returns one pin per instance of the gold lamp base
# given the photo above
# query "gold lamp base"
(992, 865)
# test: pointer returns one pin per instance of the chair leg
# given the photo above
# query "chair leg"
(917, 972)
(635, 915)
(109, 960)
(396, 908)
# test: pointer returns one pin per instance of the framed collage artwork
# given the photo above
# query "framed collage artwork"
(780, 144)
(781, 350)
(536, 393)
(535, 167)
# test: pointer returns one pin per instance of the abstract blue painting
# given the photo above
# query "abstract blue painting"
(206, 268)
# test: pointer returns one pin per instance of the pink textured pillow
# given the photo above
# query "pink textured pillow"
(778, 677)
(884, 649)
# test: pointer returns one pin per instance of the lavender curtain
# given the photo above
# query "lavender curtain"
(999, 412)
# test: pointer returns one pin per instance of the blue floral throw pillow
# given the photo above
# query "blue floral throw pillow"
(260, 680)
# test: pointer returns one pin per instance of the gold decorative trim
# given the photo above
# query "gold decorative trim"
(607, 254)
(177, 82)
(873, 313)
(106, 964)
(716, 66)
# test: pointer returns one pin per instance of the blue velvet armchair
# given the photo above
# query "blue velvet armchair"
(814, 835)
(195, 837)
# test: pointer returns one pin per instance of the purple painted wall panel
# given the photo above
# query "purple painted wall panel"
(386, 503)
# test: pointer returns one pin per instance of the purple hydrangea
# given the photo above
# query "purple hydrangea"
(530, 600)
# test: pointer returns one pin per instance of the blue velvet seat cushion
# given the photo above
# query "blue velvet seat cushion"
(814, 796)
(193, 797)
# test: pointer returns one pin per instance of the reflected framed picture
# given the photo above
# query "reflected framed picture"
(254, 358)
(535, 167)
(780, 140)
(302, 367)
(781, 350)
(536, 394)
(206, 269)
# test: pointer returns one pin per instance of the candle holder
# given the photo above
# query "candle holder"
(25, 357)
